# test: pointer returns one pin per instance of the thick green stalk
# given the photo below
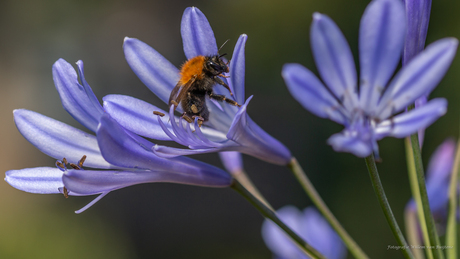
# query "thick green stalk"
(378, 188)
(434, 239)
(270, 214)
(451, 233)
(418, 200)
(322, 207)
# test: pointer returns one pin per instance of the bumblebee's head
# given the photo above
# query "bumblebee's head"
(215, 65)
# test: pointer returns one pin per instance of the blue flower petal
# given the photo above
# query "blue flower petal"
(334, 60)
(418, 78)
(43, 180)
(343, 142)
(58, 140)
(233, 161)
(312, 94)
(417, 19)
(381, 38)
(256, 141)
(120, 149)
(79, 101)
(156, 72)
(408, 123)
(237, 69)
(197, 35)
(320, 235)
(136, 115)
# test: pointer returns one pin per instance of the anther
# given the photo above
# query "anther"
(160, 113)
(65, 192)
(175, 103)
(82, 160)
(74, 166)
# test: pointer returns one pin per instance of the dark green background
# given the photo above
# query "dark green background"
(177, 221)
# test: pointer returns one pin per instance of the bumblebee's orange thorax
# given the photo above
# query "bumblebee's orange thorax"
(192, 68)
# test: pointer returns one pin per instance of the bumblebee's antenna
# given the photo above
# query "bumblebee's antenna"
(222, 46)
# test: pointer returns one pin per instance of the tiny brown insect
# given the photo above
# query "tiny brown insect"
(197, 77)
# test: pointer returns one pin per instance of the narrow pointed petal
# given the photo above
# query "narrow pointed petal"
(418, 78)
(333, 58)
(120, 149)
(306, 88)
(233, 161)
(197, 35)
(156, 72)
(276, 240)
(136, 115)
(345, 142)
(417, 19)
(256, 141)
(79, 101)
(58, 140)
(408, 123)
(43, 180)
(381, 38)
(320, 235)
(237, 69)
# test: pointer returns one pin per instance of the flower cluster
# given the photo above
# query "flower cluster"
(370, 112)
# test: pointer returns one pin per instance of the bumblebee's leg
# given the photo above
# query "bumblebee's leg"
(221, 98)
(221, 82)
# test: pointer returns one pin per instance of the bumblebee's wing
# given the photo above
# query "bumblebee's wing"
(179, 91)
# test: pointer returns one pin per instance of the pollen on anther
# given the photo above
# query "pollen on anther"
(160, 113)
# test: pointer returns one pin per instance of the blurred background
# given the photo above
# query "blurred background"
(177, 221)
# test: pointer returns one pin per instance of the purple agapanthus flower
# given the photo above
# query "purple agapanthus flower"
(311, 226)
(229, 128)
(370, 112)
(118, 158)
(417, 20)
(438, 180)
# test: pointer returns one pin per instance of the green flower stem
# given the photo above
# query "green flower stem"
(322, 207)
(243, 178)
(378, 188)
(434, 239)
(411, 220)
(451, 233)
(270, 214)
(418, 200)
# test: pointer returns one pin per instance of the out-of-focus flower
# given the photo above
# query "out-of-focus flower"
(417, 20)
(371, 114)
(123, 158)
(309, 225)
(229, 128)
(438, 180)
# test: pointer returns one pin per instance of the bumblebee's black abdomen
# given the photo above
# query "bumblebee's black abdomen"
(194, 104)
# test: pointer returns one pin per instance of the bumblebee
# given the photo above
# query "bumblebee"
(197, 77)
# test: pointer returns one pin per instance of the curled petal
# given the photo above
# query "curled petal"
(417, 19)
(312, 94)
(410, 122)
(156, 72)
(333, 59)
(78, 100)
(58, 140)
(197, 35)
(237, 69)
(418, 78)
(381, 38)
(170, 152)
(136, 115)
(255, 140)
(118, 147)
(350, 143)
(43, 180)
